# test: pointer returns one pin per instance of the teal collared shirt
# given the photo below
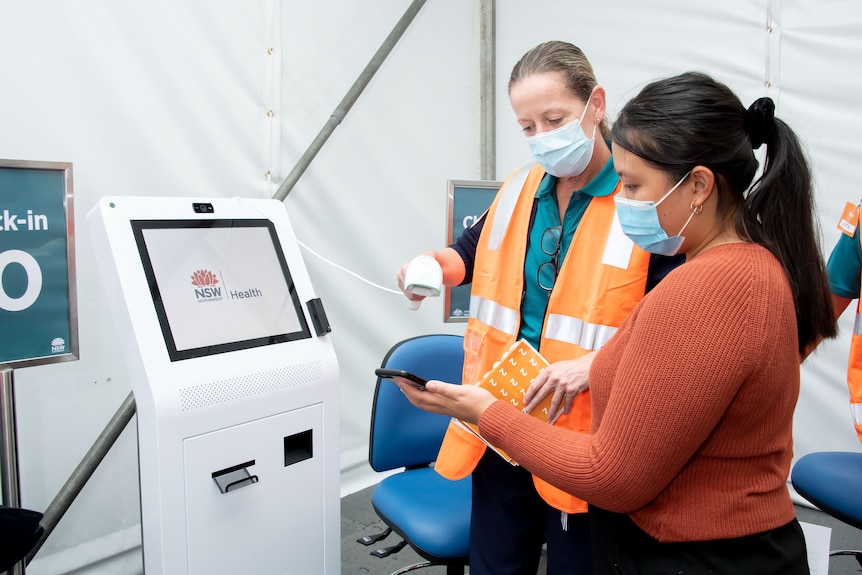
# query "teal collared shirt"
(844, 266)
(535, 301)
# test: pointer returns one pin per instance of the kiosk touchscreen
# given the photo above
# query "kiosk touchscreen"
(235, 383)
(242, 296)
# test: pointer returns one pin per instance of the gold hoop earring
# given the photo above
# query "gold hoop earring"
(695, 209)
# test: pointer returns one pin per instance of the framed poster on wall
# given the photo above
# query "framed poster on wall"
(467, 201)
(38, 301)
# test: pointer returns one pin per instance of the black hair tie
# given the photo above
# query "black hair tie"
(760, 122)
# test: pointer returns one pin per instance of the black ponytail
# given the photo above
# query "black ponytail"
(778, 212)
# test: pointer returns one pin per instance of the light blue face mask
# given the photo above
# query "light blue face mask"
(566, 151)
(639, 220)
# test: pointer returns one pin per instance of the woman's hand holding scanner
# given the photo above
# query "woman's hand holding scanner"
(420, 278)
(446, 262)
(464, 402)
(565, 379)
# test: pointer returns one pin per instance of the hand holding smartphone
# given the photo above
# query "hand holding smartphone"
(401, 375)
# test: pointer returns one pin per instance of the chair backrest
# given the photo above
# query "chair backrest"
(403, 435)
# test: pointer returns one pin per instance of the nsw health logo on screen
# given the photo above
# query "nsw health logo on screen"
(205, 283)
(207, 288)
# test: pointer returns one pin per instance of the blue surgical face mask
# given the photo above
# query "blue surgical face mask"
(566, 151)
(639, 220)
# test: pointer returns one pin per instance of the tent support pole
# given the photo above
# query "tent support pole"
(487, 90)
(349, 99)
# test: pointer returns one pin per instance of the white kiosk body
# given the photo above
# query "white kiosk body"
(235, 383)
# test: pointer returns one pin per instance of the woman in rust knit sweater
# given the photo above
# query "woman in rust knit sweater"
(686, 465)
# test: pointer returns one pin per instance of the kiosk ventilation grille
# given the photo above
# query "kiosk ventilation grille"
(248, 385)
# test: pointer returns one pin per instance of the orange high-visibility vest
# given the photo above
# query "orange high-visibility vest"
(592, 296)
(854, 368)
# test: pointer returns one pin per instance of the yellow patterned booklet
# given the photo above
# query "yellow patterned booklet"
(508, 380)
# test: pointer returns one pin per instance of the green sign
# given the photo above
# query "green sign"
(468, 200)
(38, 313)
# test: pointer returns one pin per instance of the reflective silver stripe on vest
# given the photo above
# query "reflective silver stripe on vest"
(576, 331)
(493, 314)
(857, 325)
(856, 410)
(506, 207)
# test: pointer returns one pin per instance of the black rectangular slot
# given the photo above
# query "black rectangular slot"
(298, 447)
(318, 316)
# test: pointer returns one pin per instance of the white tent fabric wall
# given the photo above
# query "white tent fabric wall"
(168, 98)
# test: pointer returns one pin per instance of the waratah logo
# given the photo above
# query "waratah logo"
(204, 278)
(205, 282)
(58, 345)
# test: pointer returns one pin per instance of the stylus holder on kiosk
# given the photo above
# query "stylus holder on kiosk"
(235, 382)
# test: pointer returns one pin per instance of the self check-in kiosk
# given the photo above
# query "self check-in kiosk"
(235, 383)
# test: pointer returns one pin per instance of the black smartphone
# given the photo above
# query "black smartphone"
(411, 378)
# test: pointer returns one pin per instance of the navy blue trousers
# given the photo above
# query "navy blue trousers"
(511, 522)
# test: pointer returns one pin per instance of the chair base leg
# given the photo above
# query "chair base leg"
(413, 567)
(857, 554)
(372, 539)
(450, 569)
(387, 551)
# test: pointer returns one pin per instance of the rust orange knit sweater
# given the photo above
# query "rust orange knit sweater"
(693, 402)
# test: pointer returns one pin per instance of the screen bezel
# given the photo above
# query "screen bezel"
(138, 227)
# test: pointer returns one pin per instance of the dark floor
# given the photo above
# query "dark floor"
(358, 519)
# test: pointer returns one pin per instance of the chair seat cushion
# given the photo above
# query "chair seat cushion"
(431, 513)
(833, 482)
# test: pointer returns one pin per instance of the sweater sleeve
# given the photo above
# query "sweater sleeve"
(664, 383)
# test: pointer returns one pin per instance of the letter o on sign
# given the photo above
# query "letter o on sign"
(34, 280)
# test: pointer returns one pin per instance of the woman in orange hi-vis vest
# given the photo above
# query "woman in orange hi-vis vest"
(844, 269)
(548, 265)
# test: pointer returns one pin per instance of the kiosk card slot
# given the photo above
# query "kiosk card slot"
(232, 478)
(298, 447)
(318, 316)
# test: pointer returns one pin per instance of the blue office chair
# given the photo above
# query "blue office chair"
(430, 513)
(832, 481)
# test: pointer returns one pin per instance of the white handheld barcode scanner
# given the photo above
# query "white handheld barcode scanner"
(424, 277)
